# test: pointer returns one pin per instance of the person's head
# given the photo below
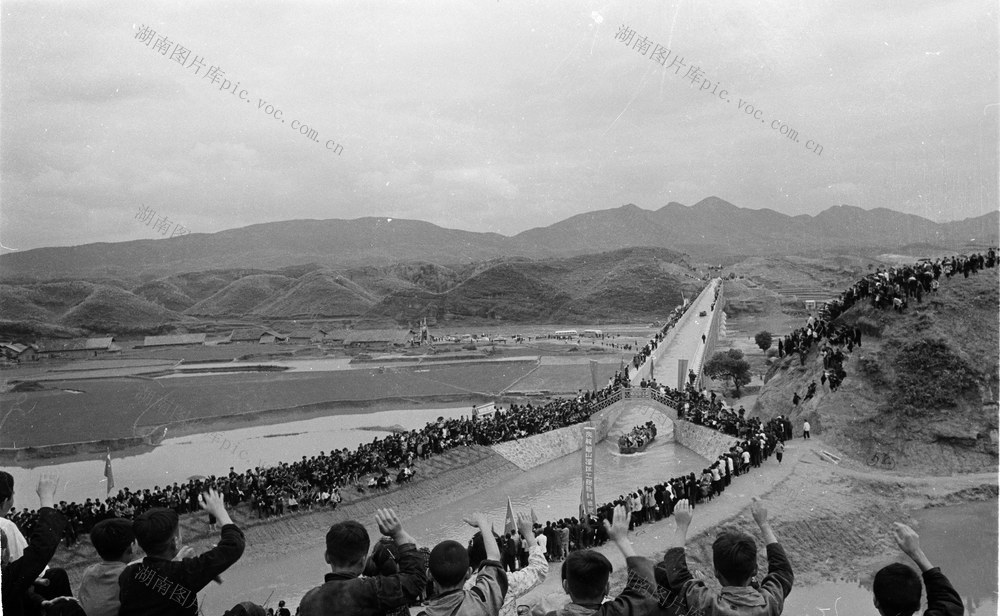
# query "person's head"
(113, 539)
(347, 547)
(246, 608)
(734, 555)
(6, 492)
(897, 590)
(585, 576)
(281, 603)
(157, 532)
(448, 565)
(477, 551)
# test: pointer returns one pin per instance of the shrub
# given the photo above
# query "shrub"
(931, 376)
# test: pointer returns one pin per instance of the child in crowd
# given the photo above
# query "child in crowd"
(449, 568)
(734, 555)
(113, 539)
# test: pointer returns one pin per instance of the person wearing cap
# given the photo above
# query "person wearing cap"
(449, 569)
(345, 591)
(158, 585)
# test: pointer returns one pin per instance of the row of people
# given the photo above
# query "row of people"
(456, 579)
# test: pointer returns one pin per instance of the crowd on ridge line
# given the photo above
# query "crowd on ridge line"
(317, 481)
(454, 578)
(891, 287)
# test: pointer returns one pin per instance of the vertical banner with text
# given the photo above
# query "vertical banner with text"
(588, 503)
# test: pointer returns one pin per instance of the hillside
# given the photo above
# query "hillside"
(111, 310)
(711, 228)
(634, 283)
(922, 387)
(619, 285)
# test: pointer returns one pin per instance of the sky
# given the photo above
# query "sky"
(485, 115)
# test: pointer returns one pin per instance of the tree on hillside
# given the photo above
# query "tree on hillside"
(763, 340)
(729, 365)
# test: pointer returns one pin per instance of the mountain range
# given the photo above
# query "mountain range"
(710, 228)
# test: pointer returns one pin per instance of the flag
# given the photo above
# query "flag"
(651, 367)
(110, 476)
(509, 524)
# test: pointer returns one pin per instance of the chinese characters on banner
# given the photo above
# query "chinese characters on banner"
(588, 501)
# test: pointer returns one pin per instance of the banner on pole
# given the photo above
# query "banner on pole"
(110, 476)
(588, 501)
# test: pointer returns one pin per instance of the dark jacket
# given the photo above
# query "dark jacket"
(767, 600)
(19, 575)
(159, 587)
(369, 596)
(942, 599)
(639, 597)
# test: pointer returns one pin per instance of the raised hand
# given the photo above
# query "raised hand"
(46, 489)
(388, 522)
(759, 511)
(478, 520)
(211, 501)
(526, 528)
(906, 538)
(909, 541)
(683, 514)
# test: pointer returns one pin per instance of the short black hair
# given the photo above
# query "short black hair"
(586, 573)
(897, 589)
(448, 563)
(6, 485)
(734, 555)
(154, 528)
(347, 543)
(112, 537)
(477, 550)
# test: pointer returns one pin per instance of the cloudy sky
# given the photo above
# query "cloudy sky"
(486, 115)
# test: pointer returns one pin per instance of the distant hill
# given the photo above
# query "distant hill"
(114, 311)
(712, 228)
(627, 284)
(620, 285)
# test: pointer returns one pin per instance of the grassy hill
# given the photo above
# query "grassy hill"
(112, 310)
(922, 387)
(618, 285)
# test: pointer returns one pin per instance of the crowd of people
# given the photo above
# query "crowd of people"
(884, 288)
(637, 437)
(317, 481)
(474, 577)
(484, 576)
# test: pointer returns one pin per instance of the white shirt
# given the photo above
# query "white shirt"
(521, 581)
(805, 426)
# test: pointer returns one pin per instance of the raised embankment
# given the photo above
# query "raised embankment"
(626, 408)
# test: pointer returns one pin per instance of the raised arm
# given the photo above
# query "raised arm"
(942, 598)
(400, 589)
